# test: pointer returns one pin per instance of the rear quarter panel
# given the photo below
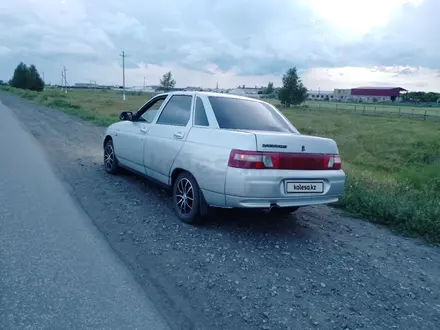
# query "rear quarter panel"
(205, 155)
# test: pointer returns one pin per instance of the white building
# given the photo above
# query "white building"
(342, 94)
(247, 91)
(320, 95)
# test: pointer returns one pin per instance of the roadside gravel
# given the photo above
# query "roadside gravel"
(319, 269)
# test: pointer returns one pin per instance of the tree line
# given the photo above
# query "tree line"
(292, 92)
(423, 97)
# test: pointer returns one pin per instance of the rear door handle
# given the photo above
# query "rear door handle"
(178, 135)
(144, 130)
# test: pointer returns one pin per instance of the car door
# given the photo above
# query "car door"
(130, 139)
(167, 135)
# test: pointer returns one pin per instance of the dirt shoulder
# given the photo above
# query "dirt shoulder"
(318, 269)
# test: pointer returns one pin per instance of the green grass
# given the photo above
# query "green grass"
(395, 109)
(378, 109)
(392, 164)
(101, 107)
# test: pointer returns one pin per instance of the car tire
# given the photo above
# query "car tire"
(110, 161)
(187, 199)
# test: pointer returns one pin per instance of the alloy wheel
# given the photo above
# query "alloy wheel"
(109, 157)
(184, 196)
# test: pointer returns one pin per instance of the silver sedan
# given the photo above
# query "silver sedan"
(221, 150)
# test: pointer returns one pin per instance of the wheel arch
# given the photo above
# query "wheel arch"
(107, 138)
(175, 173)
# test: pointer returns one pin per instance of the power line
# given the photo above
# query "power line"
(123, 74)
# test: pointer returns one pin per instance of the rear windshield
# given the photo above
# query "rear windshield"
(242, 114)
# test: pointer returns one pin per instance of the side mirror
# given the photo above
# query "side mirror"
(126, 115)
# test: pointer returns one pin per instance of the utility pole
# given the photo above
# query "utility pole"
(123, 74)
(64, 79)
(144, 85)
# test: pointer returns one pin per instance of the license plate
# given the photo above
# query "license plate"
(304, 187)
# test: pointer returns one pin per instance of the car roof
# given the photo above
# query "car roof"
(226, 95)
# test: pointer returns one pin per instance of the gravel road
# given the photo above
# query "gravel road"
(319, 269)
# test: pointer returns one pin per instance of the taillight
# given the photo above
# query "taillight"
(283, 161)
(334, 162)
(246, 159)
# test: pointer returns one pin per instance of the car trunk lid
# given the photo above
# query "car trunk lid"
(294, 143)
(291, 152)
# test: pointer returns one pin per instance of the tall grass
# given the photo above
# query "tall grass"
(392, 167)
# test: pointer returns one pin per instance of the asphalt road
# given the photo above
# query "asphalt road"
(320, 269)
(56, 269)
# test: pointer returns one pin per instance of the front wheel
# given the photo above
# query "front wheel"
(186, 199)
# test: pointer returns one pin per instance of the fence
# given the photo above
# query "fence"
(376, 110)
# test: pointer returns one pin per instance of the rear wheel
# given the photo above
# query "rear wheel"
(187, 199)
(110, 163)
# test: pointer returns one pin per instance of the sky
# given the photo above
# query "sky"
(333, 43)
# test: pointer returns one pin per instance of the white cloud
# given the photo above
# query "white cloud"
(235, 42)
(4, 51)
(354, 18)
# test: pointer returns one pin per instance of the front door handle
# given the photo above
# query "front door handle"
(144, 130)
(178, 135)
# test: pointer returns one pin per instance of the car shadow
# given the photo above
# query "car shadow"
(258, 223)
(252, 223)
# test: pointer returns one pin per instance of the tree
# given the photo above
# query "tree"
(269, 88)
(429, 97)
(35, 83)
(25, 77)
(19, 78)
(293, 91)
(167, 82)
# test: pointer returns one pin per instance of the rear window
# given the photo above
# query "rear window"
(242, 114)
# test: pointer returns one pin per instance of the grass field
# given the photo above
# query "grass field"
(402, 110)
(370, 109)
(393, 164)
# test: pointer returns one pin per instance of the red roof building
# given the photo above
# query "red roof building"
(378, 93)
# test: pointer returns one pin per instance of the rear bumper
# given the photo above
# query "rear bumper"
(262, 188)
(265, 203)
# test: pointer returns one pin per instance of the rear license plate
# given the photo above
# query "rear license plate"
(304, 187)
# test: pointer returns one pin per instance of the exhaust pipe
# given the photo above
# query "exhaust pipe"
(273, 206)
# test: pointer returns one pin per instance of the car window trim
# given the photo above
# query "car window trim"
(194, 111)
(149, 103)
(155, 122)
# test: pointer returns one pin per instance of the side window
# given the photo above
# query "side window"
(177, 111)
(151, 111)
(200, 118)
